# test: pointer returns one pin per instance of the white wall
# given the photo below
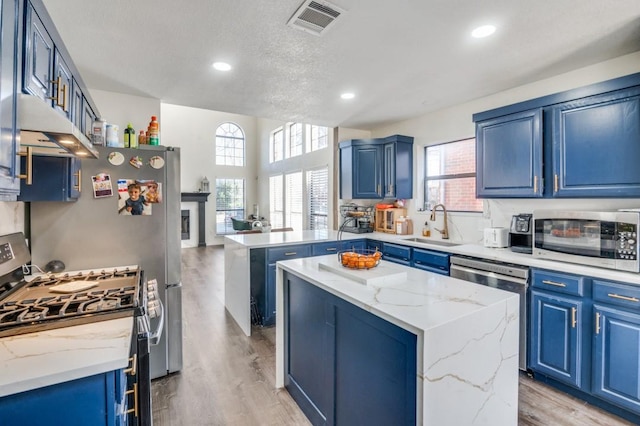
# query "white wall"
(193, 130)
(120, 109)
(456, 123)
(11, 217)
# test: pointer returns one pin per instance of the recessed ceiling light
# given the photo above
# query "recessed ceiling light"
(483, 31)
(221, 66)
(348, 96)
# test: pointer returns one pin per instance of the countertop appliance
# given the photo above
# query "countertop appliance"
(521, 233)
(93, 231)
(356, 219)
(496, 237)
(505, 276)
(605, 239)
(32, 301)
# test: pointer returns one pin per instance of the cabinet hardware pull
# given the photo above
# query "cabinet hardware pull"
(64, 98)
(332, 249)
(378, 191)
(555, 183)
(535, 184)
(617, 296)
(597, 322)
(134, 410)
(573, 317)
(554, 283)
(291, 253)
(58, 83)
(78, 175)
(134, 362)
(28, 175)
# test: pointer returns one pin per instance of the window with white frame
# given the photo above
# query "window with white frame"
(277, 145)
(229, 204)
(229, 145)
(276, 201)
(293, 215)
(450, 176)
(318, 138)
(318, 198)
(294, 140)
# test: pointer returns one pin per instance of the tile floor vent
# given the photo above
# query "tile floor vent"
(315, 16)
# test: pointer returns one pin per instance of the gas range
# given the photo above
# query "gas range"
(30, 303)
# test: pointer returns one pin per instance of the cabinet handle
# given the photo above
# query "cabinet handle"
(134, 362)
(78, 176)
(555, 183)
(58, 83)
(573, 317)
(378, 191)
(291, 253)
(535, 184)
(617, 296)
(554, 283)
(134, 410)
(64, 98)
(597, 322)
(332, 249)
(28, 175)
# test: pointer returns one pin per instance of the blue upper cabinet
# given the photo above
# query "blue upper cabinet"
(596, 146)
(38, 59)
(9, 164)
(509, 156)
(376, 168)
(582, 143)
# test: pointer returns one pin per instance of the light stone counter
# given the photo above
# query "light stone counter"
(35, 360)
(467, 338)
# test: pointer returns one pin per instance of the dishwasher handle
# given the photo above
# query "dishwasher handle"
(470, 272)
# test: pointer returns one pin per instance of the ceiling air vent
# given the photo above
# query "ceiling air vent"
(315, 16)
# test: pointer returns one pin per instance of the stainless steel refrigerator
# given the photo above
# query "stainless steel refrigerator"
(98, 231)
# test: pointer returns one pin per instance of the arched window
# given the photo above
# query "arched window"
(229, 145)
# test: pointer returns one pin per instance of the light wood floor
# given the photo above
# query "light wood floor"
(229, 379)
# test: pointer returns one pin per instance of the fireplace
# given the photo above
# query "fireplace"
(201, 199)
(185, 225)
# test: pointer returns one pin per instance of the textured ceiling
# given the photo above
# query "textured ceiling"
(401, 59)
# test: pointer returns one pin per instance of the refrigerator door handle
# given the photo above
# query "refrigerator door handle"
(154, 339)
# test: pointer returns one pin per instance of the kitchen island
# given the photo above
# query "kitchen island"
(465, 342)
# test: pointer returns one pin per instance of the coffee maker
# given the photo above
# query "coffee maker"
(521, 233)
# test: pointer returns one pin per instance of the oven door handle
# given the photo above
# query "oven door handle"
(473, 271)
(154, 338)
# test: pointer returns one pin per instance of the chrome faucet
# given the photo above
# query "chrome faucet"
(445, 230)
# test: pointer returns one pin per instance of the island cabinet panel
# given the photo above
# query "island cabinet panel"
(509, 156)
(9, 144)
(344, 365)
(596, 146)
(94, 400)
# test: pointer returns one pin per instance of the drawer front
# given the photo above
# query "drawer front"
(287, 252)
(394, 250)
(431, 258)
(561, 283)
(331, 247)
(615, 293)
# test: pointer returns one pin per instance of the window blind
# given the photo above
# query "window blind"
(276, 202)
(318, 198)
(293, 200)
(229, 203)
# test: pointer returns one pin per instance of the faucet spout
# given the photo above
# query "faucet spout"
(445, 229)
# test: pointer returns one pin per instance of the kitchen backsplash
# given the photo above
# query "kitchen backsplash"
(12, 214)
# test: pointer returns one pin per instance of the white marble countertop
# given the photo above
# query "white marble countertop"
(35, 360)
(420, 302)
(467, 249)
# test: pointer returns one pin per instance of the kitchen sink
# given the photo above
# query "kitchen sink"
(429, 241)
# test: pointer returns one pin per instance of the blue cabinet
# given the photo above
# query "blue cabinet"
(9, 164)
(344, 365)
(54, 179)
(95, 400)
(509, 156)
(596, 145)
(431, 260)
(37, 77)
(396, 253)
(333, 247)
(559, 341)
(616, 356)
(377, 168)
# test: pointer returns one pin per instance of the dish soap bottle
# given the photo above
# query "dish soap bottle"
(426, 231)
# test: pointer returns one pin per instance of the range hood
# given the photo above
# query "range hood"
(48, 132)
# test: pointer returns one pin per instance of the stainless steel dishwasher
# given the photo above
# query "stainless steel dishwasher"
(505, 276)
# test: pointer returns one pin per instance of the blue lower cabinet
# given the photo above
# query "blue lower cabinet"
(617, 357)
(430, 260)
(396, 253)
(557, 339)
(344, 365)
(94, 400)
(54, 179)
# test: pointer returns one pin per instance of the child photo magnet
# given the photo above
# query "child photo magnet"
(131, 196)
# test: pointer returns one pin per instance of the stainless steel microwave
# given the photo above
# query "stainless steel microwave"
(600, 239)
